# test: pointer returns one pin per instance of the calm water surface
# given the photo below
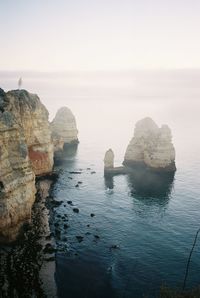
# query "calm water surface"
(144, 225)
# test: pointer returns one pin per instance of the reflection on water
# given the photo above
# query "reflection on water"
(145, 184)
(109, 182)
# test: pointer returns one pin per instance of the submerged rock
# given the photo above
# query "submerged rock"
(76, 210)
(151, 147)
(79, 238)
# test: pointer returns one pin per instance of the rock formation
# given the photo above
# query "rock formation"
(109, 160)
(25, 150)
(109, 169)
(151, 147)
(64, 130)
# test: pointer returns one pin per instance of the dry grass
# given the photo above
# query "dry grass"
(166, 292)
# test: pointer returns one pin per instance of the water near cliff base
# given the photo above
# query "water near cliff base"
(132, 233)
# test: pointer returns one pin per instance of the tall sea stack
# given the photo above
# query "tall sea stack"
(64, 129)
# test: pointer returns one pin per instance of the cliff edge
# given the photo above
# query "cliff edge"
(26, 150)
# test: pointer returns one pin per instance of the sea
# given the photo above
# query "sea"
(133, 233)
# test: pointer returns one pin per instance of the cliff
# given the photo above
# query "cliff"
(32, 118)
(64, 130)
(25, 151)
(151, 147)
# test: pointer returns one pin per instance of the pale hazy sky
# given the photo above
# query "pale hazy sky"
(60, 35)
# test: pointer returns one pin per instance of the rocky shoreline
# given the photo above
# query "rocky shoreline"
(30, 260)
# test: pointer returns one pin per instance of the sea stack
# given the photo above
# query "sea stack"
(26, 150)
(151, 147)
(64, 130)
(109, 160)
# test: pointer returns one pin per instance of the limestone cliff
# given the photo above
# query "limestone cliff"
(25, 150)
(32, 118)
(64, 130)
(151, 146)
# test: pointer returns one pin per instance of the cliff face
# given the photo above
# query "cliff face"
(64, 130)
(151, 146)
(25, 150)
(32, 118)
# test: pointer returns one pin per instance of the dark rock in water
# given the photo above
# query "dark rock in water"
(75, 172)
(77, 185)
(87, 233)
(93, 172)
(56, 203)
(49, 236)
(80, 182)
(79, 238)
(66, 226)
(76, 210)
(59, 215)
(92, 214)
(57, 233)
(50, 259)
(56, 224)
(96, 236)
(88, 169)
(88, 226)
(114, 246)
(53, 176)
(49, 249)
(69, 202)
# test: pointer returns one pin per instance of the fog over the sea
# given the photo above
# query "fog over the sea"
(99, 35)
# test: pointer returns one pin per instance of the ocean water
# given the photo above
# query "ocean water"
(144, 224)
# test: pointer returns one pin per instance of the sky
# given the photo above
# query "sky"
(73, 35)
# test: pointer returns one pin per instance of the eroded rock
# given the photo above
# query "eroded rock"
(151, 147)
(64, 130)
(25, 151)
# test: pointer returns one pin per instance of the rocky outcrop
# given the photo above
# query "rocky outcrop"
(151, 147)
(64, 130)
(25, 151)
(32, 118)
(109, 160)
(109, 168)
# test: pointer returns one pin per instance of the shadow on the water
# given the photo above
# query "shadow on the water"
(150, 187)
(85, 278)
(66, 156)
